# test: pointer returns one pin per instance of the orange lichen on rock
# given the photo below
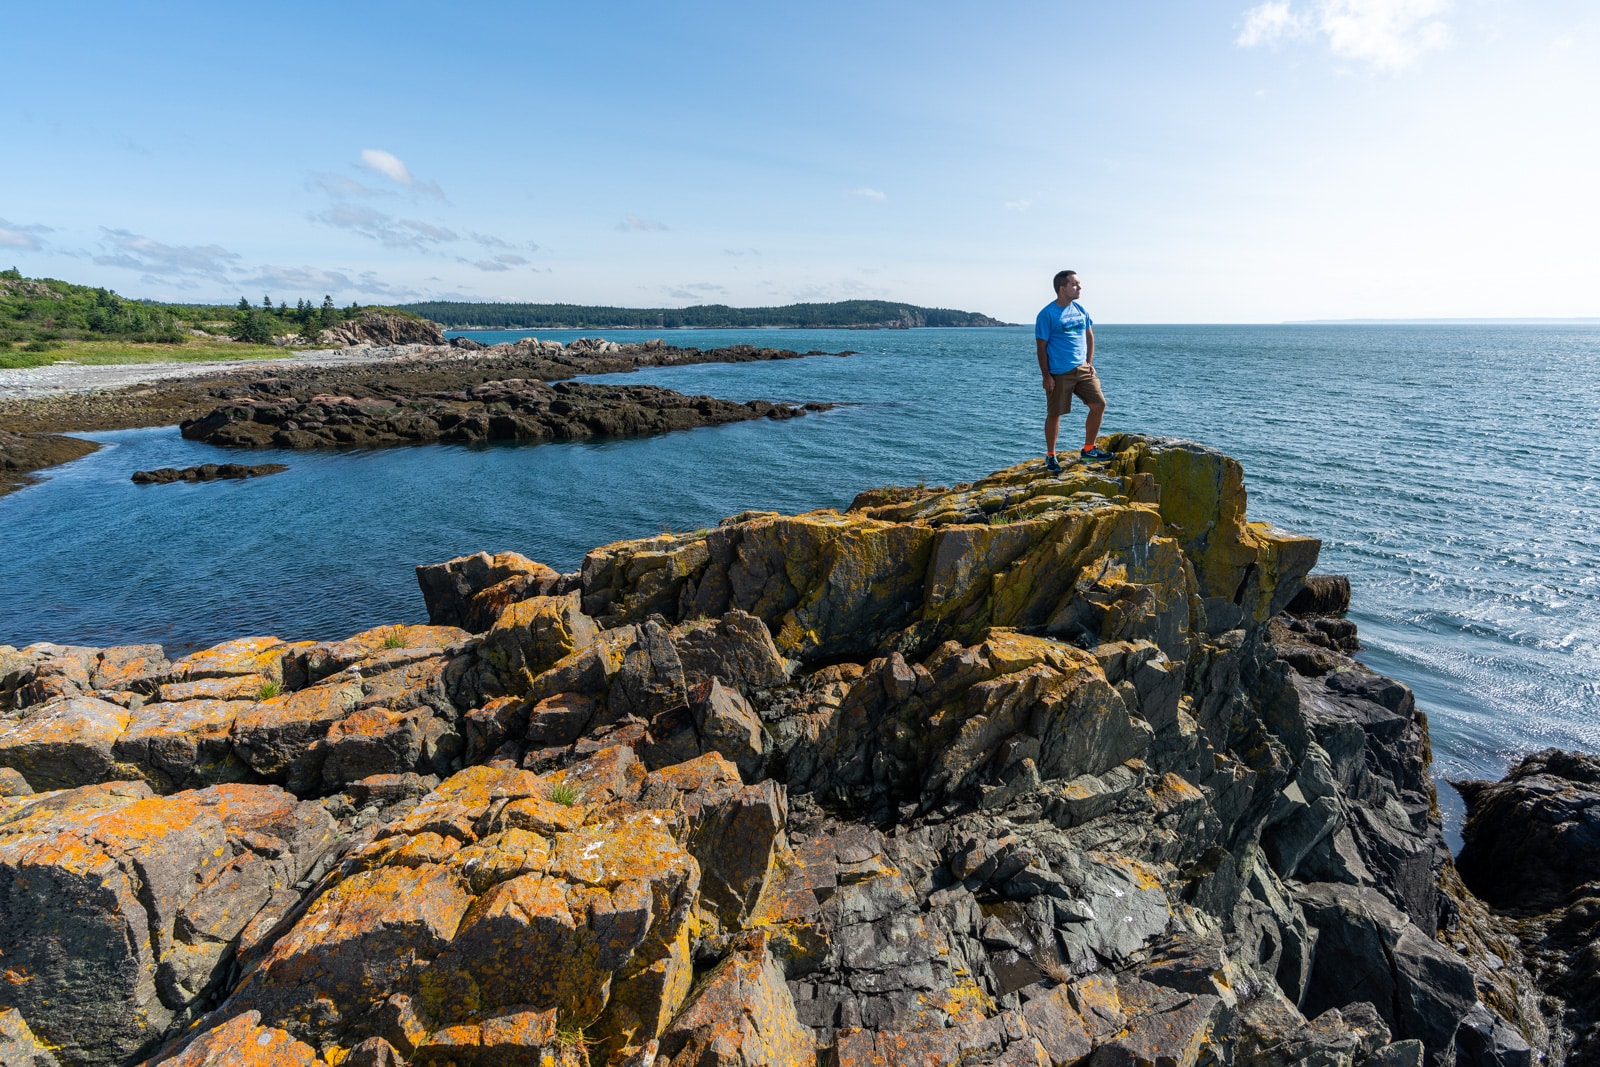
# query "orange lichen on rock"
(241, 657)
(243, 1042)
(65, 743)
(741, 1016)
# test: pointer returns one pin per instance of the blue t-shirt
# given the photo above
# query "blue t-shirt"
(1063, 331)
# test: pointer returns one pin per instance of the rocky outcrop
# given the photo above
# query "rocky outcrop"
(1032, 770)
(121, 908)
(376, 327)
(392, 374)
(496, 411)
(23, 453)
(207, 472)
(1532, 850)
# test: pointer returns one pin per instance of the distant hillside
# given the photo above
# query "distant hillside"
(851, 314)
(43, 311)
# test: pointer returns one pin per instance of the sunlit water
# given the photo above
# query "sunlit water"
(1451, 472)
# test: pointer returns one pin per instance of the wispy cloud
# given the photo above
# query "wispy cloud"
(133, 251)
(870, 193)
(1382, 34)
(844, 288)
(634, 222)
(299, 279)
(392, 167)
(497, 263)
(491, 241)
(695, 291)
(741, 251)
(338, 185)
(1019, 206)
(20, 235)
(385, 229)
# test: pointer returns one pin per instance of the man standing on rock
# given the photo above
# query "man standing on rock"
(1064, 337)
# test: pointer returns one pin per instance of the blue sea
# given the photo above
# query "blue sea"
(1452, 472)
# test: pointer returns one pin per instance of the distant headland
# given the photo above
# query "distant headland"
(842, 314)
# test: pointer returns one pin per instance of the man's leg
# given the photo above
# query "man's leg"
(1052, 424)
(1091, 428)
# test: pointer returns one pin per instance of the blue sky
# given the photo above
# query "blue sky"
(1196, 162)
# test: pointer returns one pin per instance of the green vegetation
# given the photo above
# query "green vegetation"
(845, 313)
(394, 639)
(45, 321)
(268, 690)
(563, 794)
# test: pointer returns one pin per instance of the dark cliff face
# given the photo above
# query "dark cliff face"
(1035, 770)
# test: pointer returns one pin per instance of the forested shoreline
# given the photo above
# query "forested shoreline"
(850, 314)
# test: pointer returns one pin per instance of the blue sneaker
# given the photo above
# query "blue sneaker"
(1092, 455)
(1051, 464)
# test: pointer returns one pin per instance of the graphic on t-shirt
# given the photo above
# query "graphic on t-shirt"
(1064, 332)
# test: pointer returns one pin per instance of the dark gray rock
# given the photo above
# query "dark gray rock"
(1324, 594)
(207, 472)
(1533, 838)
(1366, 950)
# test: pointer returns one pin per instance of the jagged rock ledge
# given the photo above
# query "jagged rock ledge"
(496, 411)
(1028, 771)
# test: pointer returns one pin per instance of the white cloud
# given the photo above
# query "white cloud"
(870, 193)
(1382, 34)
(1268, 23)
(741, 251)
(1019, 206)
(18, 235)
(634, 222)
(386, 163)
(390, 166)
(133, 251)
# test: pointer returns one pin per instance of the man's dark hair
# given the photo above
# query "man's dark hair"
(1061, 276)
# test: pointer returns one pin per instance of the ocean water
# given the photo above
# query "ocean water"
(1453, 473)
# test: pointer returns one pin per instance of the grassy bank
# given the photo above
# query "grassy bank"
(196, 350)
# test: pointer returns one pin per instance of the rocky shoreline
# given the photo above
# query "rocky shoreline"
(1029, 771)
(439, 388)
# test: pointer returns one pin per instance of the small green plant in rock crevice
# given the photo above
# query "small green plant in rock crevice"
(563, 794)
(571, 1036)
(268, 690)
(394, 639)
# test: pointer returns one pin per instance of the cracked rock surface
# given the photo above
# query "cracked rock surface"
(1034, 770)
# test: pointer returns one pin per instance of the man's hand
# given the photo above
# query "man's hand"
(1049, 384)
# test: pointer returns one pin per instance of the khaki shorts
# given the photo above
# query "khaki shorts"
(1081, 382)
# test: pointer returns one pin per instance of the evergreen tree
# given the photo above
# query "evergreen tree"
(244, 305)
(266, 303)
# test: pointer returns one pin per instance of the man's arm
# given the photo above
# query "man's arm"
(1088, 356)
(1044, 365)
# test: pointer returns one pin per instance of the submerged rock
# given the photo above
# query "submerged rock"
(1034, 770)
(207, 472)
